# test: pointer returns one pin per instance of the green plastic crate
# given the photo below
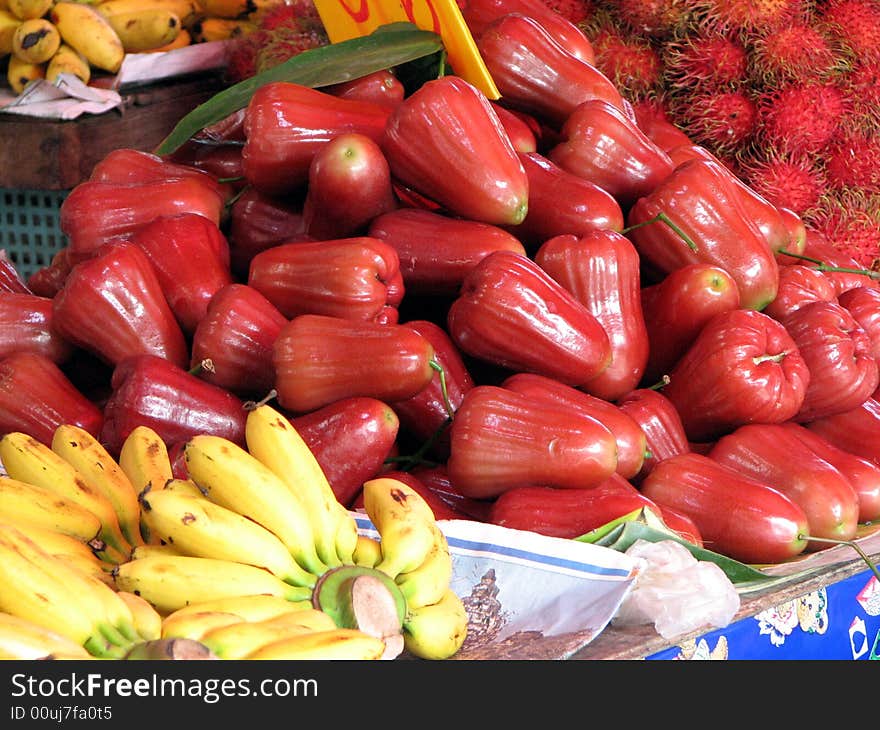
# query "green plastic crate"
(29, 227)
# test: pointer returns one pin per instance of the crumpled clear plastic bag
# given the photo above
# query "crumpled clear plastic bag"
(676, 592)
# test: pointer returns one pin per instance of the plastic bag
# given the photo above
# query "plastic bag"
(676, 592)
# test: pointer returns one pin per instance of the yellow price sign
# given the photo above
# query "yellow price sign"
(345, 19)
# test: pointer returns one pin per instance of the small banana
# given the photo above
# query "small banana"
(82, 27)
(182, 40)
(68, 61)
(56, 543)
(195, 624)
(196, 526)
(36, 40)
(8, 25)
(367, 552)
(145, 30)
(250, 607)
(227, 8)
(101, 471)
(428, 582)
(404, 521)
(29, 460)
(206, 30)
(438, 630)
(149, 549)
(335, 644)
(144, 458)
(236, 641)
(21, 638)
(28, 9)
(147, 620)
(170, 582)
(25, 503)
(20, 73)
(275, 442)
(184, 486)
(188, 11)
(237, 480)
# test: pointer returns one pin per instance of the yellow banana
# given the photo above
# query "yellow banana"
(82, 27)
(335, 644)
(209, 29)
(428, 582)
(183, 39)
(25, 503)
(250, 607)
(54, 542)
(196, 526)
(20, 73)
(438, 630)
(149, 549)
(275, 442)
(68, 61)
(144, 458)
(188, 11)
(195, 624)
(184, 486)
(170, 582)
(404, 521)
(21, 638)
(227, 8)
(103, 474)
(28, 9)
(29, 460)
(367, 552)
(145, 30)
(36, 40)
(236, 641)
(147, 620)
(8, 25)
(233, 478)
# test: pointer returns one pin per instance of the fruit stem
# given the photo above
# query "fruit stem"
(663, 218)
(253, 404)
(443, 390)
(822, 266)
(407, 462)
(853, 545)
(659, 384)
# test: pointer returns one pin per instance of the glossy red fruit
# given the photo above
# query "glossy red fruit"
(737, 516)
(350, 438)
(113, 306)
(863, 303)
(501, 439)
(681, 524)
(287, 123)
(446, 142)
(152, 391)
(436, 478)
(676, 308)
(36, 397)
(837, 351)
(190, 256)
(232, 344)
(513, 314)
(799, 285)
(537, 75)
(628, 435)
(10, 278)
(743, 367)
(320, 359)
(26, 324)
(523, 135)
(856, 431)
(379, 87)
(49, 278)
(601, 270)
(561, 202)
(436, 251)
(349, 185)
(442, 509)
(842, 270)
(600, 143)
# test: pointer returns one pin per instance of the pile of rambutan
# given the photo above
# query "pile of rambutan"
(785, 92)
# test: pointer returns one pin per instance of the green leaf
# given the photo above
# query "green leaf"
(386, 47)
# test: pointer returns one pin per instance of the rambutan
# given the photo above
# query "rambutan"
(704, 59)
(850, 220)
(779, 56)
(854, 23)
(652, 18)
(793, 181)
(746, 16)
(633, 64)
(719, 120)
(800, 117)
(852, 160)
(861, 85)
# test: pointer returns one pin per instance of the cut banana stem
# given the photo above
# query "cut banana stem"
(165, 649)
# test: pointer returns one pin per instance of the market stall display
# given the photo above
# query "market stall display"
(456, 371)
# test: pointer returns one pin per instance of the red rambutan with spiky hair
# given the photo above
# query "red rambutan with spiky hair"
(852, 160)
(781, 56)
(706, 59)
(793, 181)
(653, 18)
(850, 220)
(633, 64)
(861, 85)
(722, 121)
(854, 23)
(747, 16)
(800, 117)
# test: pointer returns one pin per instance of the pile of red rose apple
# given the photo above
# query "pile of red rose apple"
(531, 309)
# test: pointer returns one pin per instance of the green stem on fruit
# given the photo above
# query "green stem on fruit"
(852, 544)
(232, 201)
(822, 266)
(443, 390)
(206, 365)
(407, 462)
(659, 384)
(253, 404)
(663, 218)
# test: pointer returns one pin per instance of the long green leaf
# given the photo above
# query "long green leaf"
(386, 47)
